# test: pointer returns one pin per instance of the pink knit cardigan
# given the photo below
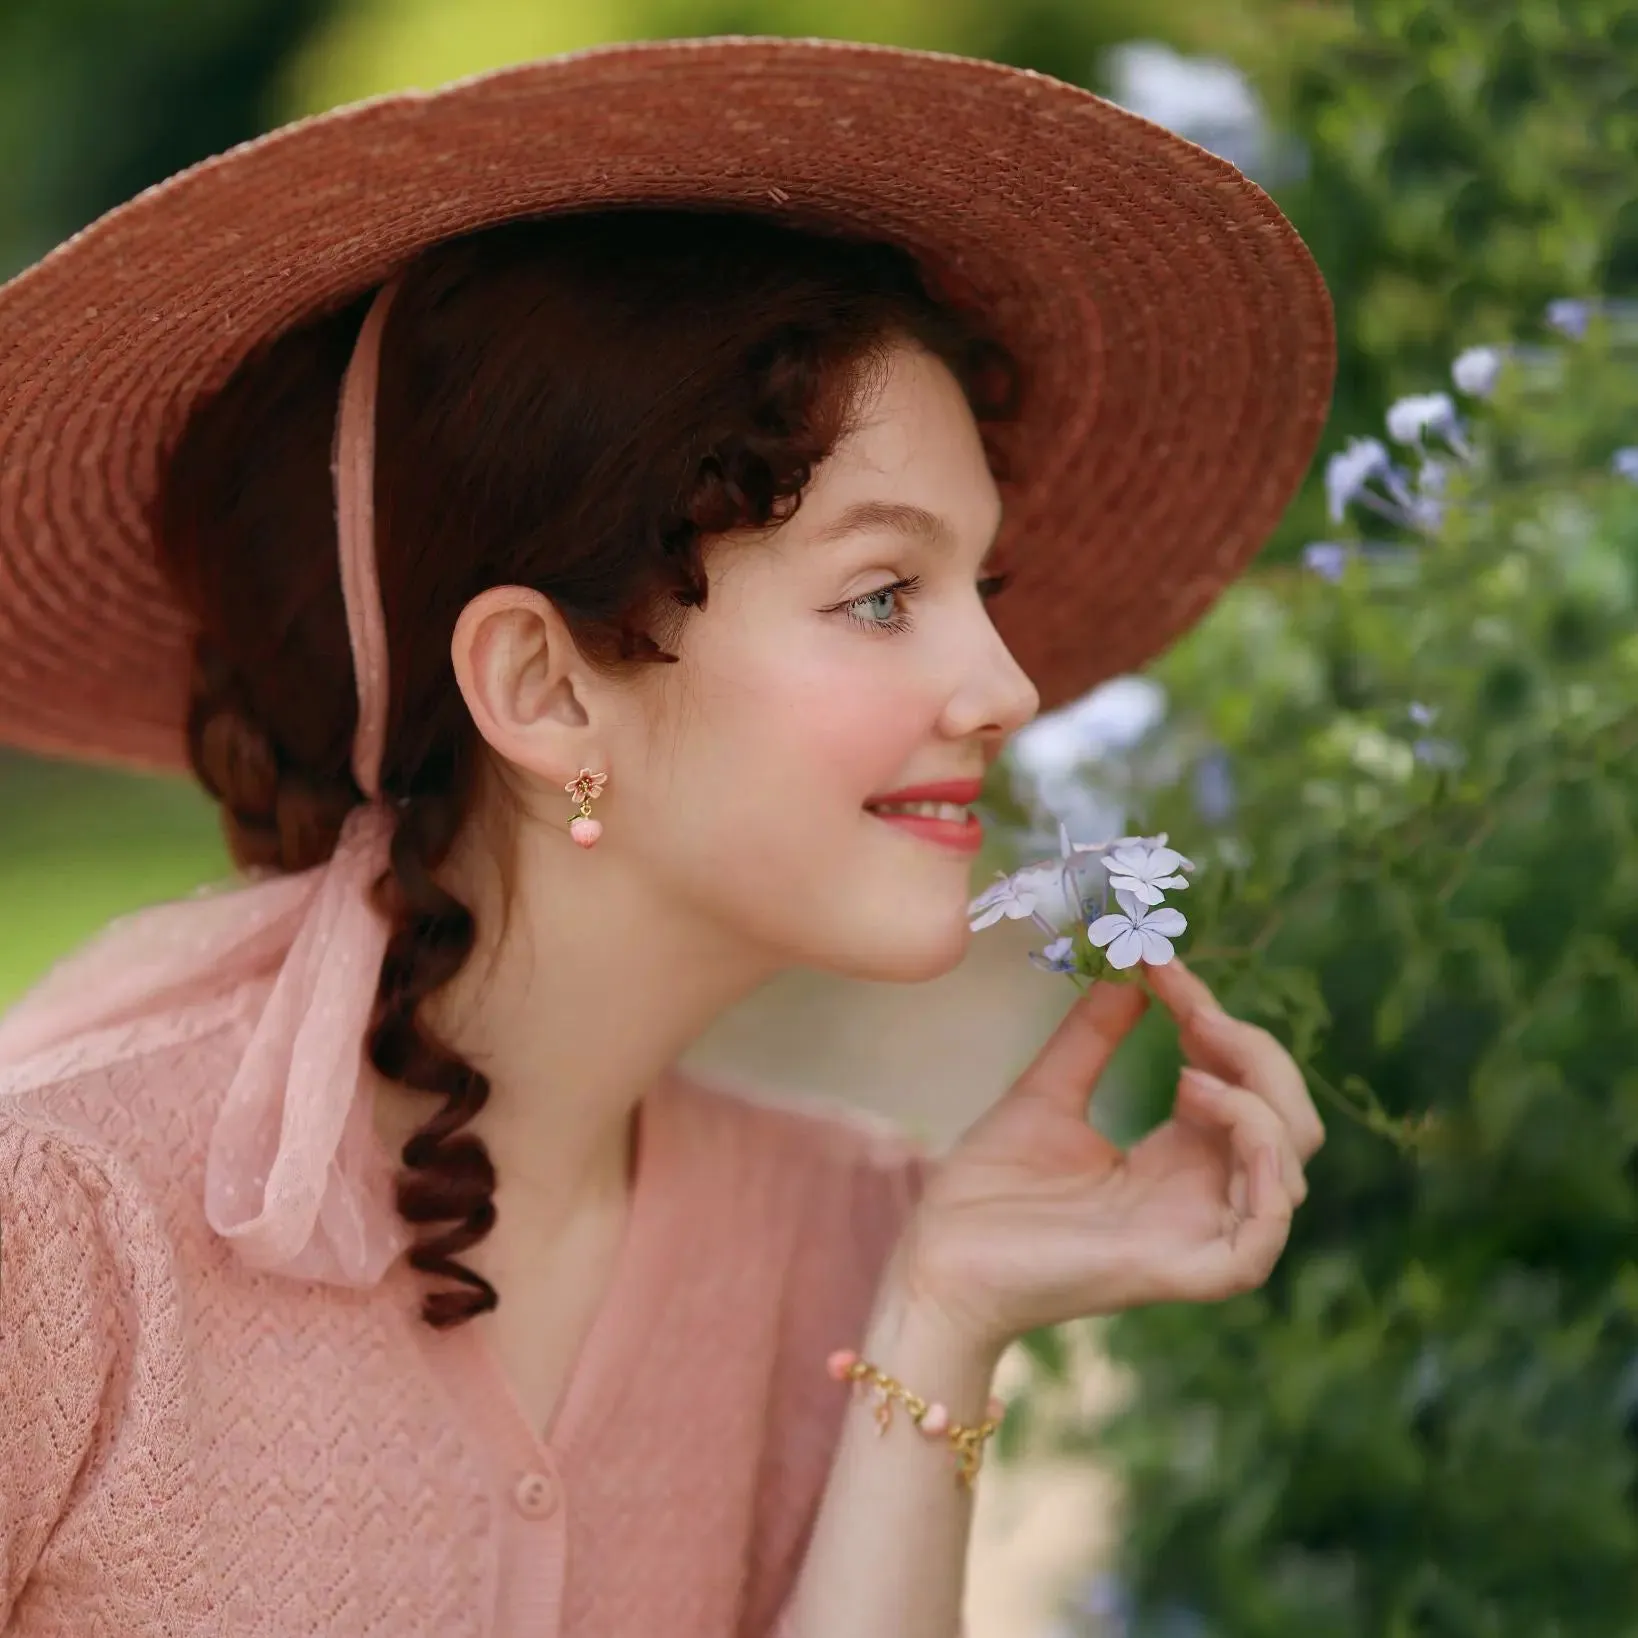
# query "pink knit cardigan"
(189, 1446)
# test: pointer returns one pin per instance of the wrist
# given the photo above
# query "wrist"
(921, 1341)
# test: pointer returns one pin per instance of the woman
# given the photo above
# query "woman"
(369, 1266)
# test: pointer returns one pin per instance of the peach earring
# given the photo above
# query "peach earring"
(583, 788)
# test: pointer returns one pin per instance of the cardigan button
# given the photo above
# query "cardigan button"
(534, 1495)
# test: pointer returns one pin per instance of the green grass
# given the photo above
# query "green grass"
(81, 846)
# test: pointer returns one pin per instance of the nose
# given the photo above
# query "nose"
(995, 695)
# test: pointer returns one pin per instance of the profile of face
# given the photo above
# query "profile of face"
(835, 661)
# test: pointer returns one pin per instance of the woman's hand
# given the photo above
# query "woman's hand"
(1035, 1217)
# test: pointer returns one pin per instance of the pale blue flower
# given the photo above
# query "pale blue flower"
(1411, 419)
(1057, 957)
(1427, 514)
(1035, 892)
(1624, 463)
(1572, 315)
(1145, 871)
(1329, 559)
(1349, 473)
(1350, 469)
(1569, 316)
(1433, 753)
(1146, 842)
(1438, 753)
(1477, 370)
(1137, 933)
(1414, 419)
(1006, 897)
(1213, 786)
(1109, 720)
(1044, 891)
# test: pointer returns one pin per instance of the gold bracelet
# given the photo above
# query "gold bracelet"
(930, 1417)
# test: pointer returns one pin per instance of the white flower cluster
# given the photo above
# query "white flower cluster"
(1417, 503)
(1140, 871)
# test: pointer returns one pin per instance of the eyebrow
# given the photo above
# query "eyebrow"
(896, 517)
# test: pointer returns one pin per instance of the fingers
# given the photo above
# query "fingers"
(1248, 1122)
(1238, 1052)
(1243, 1260)
(1078, 1050)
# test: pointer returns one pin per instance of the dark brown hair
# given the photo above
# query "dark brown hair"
(576, 404)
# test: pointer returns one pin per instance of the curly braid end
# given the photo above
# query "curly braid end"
(449, 1177)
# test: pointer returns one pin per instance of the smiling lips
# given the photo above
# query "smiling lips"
(935, 812)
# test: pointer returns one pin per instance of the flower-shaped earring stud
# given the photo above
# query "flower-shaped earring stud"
(585, 786)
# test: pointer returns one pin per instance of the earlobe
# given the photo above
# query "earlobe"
(515, 664)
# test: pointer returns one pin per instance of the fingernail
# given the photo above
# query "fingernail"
(1197, 1080)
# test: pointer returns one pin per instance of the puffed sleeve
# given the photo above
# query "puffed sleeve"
(60, 1331)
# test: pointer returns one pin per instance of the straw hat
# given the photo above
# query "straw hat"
(1176, 335)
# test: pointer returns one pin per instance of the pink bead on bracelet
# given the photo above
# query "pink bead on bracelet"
(930, 1417)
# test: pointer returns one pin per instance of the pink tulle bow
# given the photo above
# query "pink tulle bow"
(296, 1180)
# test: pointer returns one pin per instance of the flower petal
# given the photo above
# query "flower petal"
(1127, 859)
(1156, 951)
(996, 891)
(1130, 903)
(1106, 928)
(1476, 370)
(1127, 950)
(1170, 922)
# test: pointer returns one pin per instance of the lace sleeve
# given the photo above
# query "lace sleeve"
(59, 1338)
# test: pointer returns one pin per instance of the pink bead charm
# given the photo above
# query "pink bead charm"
(936, 1420)
(840, 1363)
(585, 831)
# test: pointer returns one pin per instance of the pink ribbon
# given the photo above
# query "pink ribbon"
(296, 1179)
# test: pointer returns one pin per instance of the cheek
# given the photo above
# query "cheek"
(837, 733)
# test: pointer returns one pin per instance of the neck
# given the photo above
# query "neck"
(583, 989)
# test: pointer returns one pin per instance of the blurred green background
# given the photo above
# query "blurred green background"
(1407, 769)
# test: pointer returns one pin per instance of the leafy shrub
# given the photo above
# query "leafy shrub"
(1416, 865)
(1468, 160)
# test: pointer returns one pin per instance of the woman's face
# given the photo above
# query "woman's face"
(813, 682)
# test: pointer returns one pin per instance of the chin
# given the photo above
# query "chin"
(911, 955)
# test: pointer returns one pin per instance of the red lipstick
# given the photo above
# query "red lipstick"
(962, 836)
(943, 790)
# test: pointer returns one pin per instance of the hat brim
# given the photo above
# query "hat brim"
(1176, 335)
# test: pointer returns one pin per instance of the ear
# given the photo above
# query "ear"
(525, 683)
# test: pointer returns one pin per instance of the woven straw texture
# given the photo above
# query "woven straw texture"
(1176, 335)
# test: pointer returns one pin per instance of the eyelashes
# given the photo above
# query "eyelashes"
(905, 590)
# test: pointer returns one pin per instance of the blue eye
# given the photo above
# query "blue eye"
(883, 599)
(902, 590)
